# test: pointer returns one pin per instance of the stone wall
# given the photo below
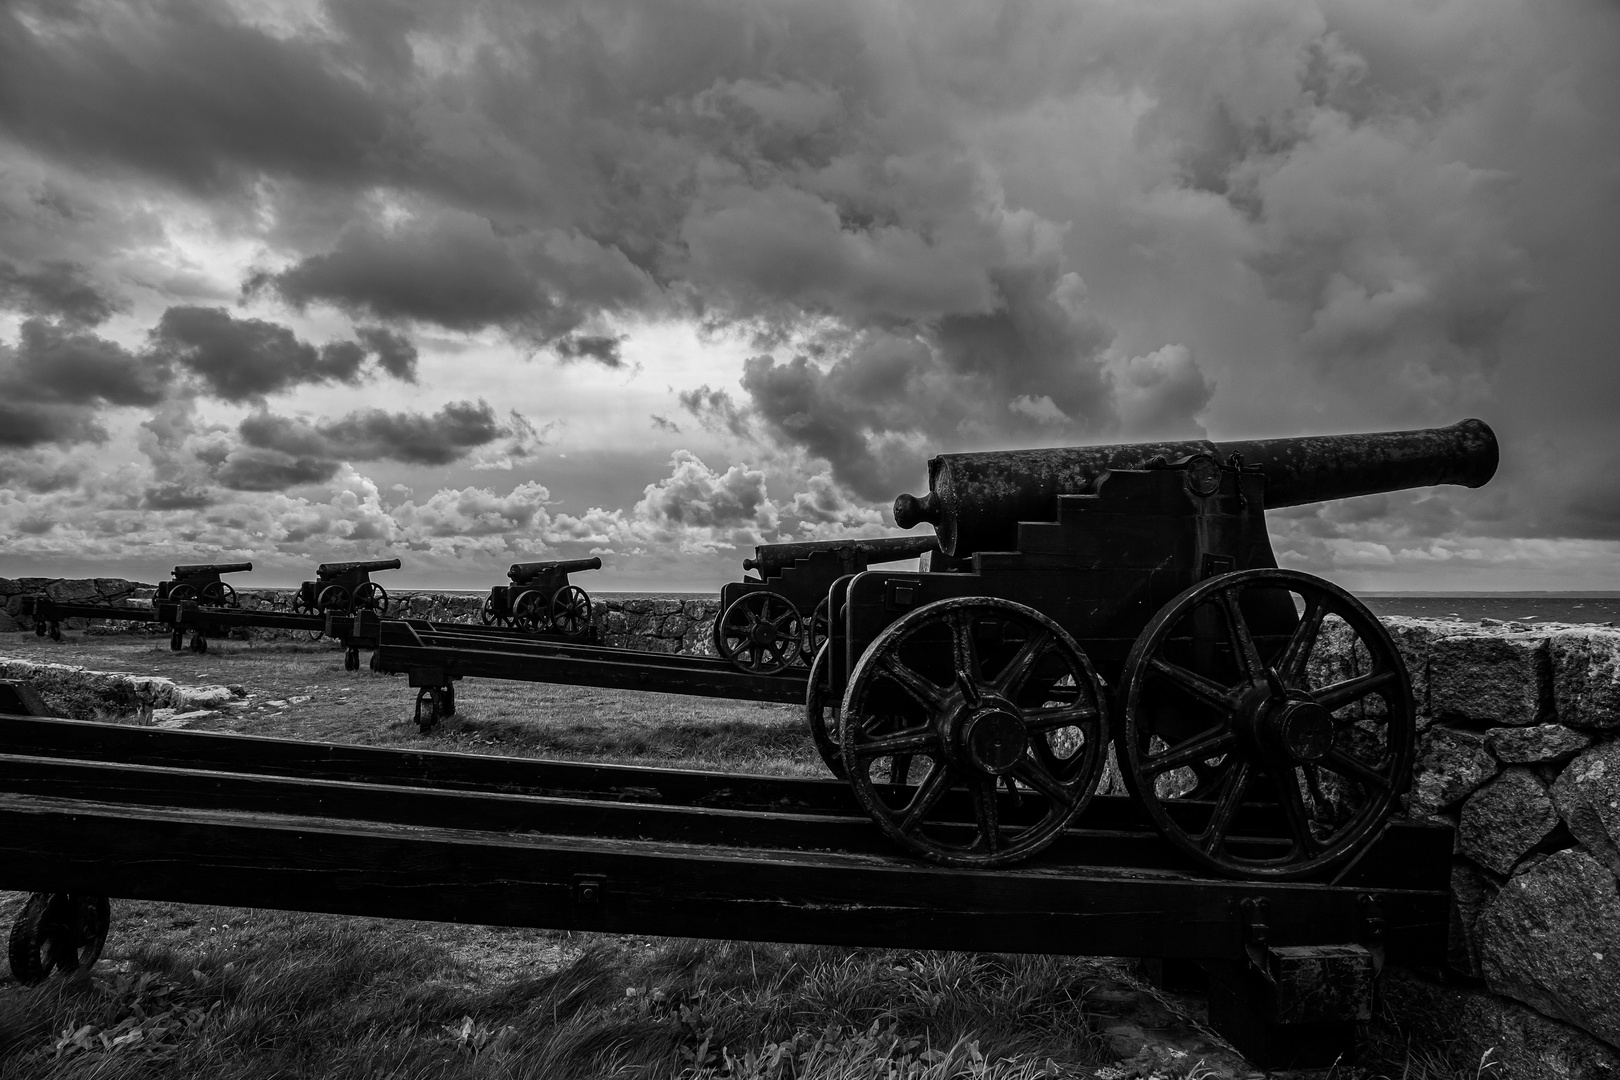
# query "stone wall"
(668, 623)
(1519, 748)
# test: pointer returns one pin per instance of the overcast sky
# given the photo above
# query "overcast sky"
(471, 282)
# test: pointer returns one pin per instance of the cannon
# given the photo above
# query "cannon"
(1128, 597)
(200, 582)
(344, 588)
(540, 598)
(762, 627)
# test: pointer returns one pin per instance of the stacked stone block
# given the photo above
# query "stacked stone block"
(1519, 748)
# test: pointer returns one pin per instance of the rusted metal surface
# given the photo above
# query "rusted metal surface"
(330, 570)
(527, 571)
(770, 559)
(975, 501)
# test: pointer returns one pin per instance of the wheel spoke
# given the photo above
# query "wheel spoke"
(1200, 748)
(1344, 693)
(1349, 765)
(987, 814)
(1226, 808)
(915, 741)
(1023, 662)
(1031, 773)
(931, 791)
(1058, 716)
(1248, 654)
(1291, 668)
(1293, 806)
(963, 652)
(1205, 690)
(926, 692)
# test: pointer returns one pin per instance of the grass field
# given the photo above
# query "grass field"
(234, 993)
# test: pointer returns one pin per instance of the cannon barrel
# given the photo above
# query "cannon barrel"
(333, 569)
(190, 569)
(975, 501)
(771, 558)
(526, 571)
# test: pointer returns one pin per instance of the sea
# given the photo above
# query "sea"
(1521, 607)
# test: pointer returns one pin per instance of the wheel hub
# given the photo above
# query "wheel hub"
(1303, 729)
(994, 739)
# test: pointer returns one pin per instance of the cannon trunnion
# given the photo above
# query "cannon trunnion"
(540, 598)
(1261, 717)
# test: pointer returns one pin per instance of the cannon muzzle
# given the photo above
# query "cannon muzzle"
(193, 569)
(975, 501)
(770, 559)
(328, 570)
(527, 571)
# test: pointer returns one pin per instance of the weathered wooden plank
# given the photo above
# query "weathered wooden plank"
(639, 887)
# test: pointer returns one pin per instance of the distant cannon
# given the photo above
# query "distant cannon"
(540, 598)
(1262, 718)
(200, 582)
(344, 588)
(762, 627)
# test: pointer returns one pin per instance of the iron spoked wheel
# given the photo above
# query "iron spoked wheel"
(57, 932)
(817, 629)
(487, 615)
(218, 594)
(429, 708)
(531, 612)
(1264, 743)
(199, 642)
(997, 707)
(300, 607)
(370, 596)
(570, 610)
(334, 598)
(183, 592)
(821, 715)
(759, 632)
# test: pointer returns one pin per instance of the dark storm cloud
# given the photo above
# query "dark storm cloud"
(245, 359)
(395, 353)
(376, 435)
(55, 381)
(454, 270)
(184, 91)
(56, 289)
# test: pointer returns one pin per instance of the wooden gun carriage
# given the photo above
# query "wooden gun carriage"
(344, 587)
(1261, 717)
(769, 622)
(540, 599)
(198, 583)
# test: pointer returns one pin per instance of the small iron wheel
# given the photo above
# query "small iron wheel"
(821, 715)
(333, 598)
(530, 612)
(351, 659)
(1264, 743)
(817, 629)
(375, 663)
(183, 593)
(429, 709)
(759, 632)
(39, 629)
(371, 596)
(219, 594)
(300, 607)
(56, 631)
(199, 643)
(570, 610)
(486, 614)
(177, 640)
(57, 932)
(1002, 711)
